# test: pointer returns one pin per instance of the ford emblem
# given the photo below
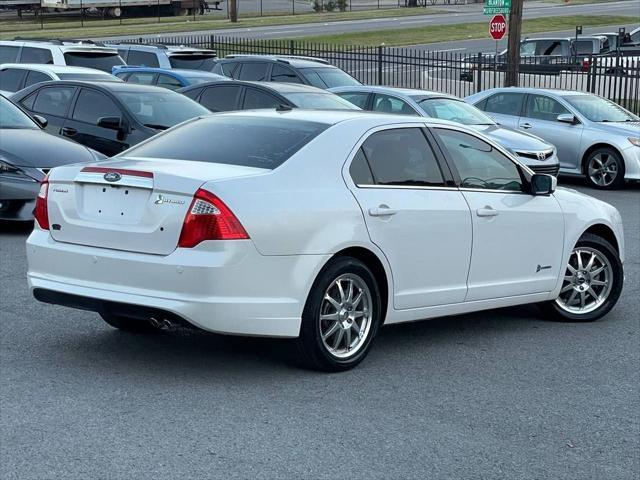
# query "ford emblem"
(112, 176)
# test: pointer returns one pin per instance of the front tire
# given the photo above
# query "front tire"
(130, 325)
(592, 283)
(604, 169)
(341, 316)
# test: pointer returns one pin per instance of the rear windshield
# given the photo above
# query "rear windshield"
(248, 141)
(193, 62)
(96, 77)
(328, 77)
(97, 60)
(162, 108)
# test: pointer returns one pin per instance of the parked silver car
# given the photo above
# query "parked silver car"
(595, 137)
(532, 151)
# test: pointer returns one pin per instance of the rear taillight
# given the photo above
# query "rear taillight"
(209, 218)
(585, 65)
(41, 212)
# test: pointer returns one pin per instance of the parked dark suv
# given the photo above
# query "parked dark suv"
(107, 116)
(290, 69)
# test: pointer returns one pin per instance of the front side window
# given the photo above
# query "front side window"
(143, 59)
(92, 105)
(542, 107)
(253, 71)
(479, 165)
(36, 55)
(11, 79)
(402, 157)
(283, 74)
(220, 99)
(53, 100)
(359, 99)
(503, 103)
(388, 104)
(246, 141)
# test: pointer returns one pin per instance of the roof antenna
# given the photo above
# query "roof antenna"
(283, 108)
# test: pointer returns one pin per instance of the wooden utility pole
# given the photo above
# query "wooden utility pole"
(513, 47)
(233, 10)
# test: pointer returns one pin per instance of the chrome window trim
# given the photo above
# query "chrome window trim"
(406, 187)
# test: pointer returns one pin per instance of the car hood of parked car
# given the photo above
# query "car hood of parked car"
(512, 139)
(630, 129)
(27, 147)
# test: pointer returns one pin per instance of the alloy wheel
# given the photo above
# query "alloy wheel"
(587, 282)
(603, 169)
(345, 316)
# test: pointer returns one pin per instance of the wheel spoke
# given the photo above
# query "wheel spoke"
(567, 288)
(582, 299)
(332, 301)
(596, 271)
(358, 314)
(350, 291)
(590, 262)
(358, 299)
(593, 293)
(347, 335)
(356, 327)
(330, 317)
(331, 331)
(598, 283)
(579, 257)
(341, 290)
(338, 339)
(572, 297)
(571, 269)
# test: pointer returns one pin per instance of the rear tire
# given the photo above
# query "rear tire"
(594, 268)
(130, 325)
(341, 316)
(604, 169)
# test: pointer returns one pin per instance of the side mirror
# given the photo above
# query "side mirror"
(543, 184)
(567, 118)
(40, 120)
(112, 123)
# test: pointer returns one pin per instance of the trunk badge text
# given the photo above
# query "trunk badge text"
(112, 176)
(162, 199)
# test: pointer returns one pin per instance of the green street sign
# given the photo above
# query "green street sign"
(492, 7)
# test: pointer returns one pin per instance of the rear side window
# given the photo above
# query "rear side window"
(220, 99)
(53, 100)
(283, 74)
(402, 156)
(549, 47)
(11, 79)
(359, 99)
(246, 141)
(360, 171)
(92, 105)
(388, 104)
(256, 71)
(192, 94)
(34, 77)
(97, 60)
(167, 81)
(8, 54)
(141, 78)
(146, 59)
(584, 47)
(504, 103)
(256, 99)
(36, 55)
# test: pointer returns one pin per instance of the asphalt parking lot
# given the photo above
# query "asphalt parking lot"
(502, 394)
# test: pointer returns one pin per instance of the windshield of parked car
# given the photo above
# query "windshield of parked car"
(328, 77)
(98, 60)
(12, 117)
(88, 77)
(598, 109)
(454, 110)
(259, 142)
(160, 109)
(193, 62)
(322, 101)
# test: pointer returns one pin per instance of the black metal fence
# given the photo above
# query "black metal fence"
(614, 77)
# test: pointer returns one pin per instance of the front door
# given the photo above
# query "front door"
(422, 226)
(540, 117)
(517, 237)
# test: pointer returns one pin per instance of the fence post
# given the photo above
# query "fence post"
(589, 73)
(212, 44)
(380, 47)
(292, 47)
(479, 79)
(593, 66)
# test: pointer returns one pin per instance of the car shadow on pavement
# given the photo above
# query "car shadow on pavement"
(15, 228)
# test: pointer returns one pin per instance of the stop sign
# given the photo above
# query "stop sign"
(498, 27)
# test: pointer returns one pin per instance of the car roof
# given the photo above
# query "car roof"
(278, 87)
(407, 92)
(41, 67)
(156, 46)
(185, 72)
(111, 86)
(549, 91)
(64, 45)
(296, 62)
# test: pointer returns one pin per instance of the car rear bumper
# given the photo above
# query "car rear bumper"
(225, 287)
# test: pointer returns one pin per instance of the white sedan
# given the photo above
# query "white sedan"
(321, 226)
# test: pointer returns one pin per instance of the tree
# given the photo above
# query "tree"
(233, 10)
(513, 46)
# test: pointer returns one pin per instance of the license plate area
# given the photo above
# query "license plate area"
(111, 203)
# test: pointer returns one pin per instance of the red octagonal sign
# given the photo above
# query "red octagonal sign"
(498, 27)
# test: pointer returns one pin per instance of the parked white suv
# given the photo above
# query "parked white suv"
(163, 56)
(60, 52)
(16, 76)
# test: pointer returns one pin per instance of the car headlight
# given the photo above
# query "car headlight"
(634, 141)
(7, 168)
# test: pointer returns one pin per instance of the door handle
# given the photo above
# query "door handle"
(487, 211)
(382, 211)
(526, 126)
(68, 131)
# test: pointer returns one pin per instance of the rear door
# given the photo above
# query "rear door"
(422, 225)
(53, 103)
(540, 118)
(82, 125)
